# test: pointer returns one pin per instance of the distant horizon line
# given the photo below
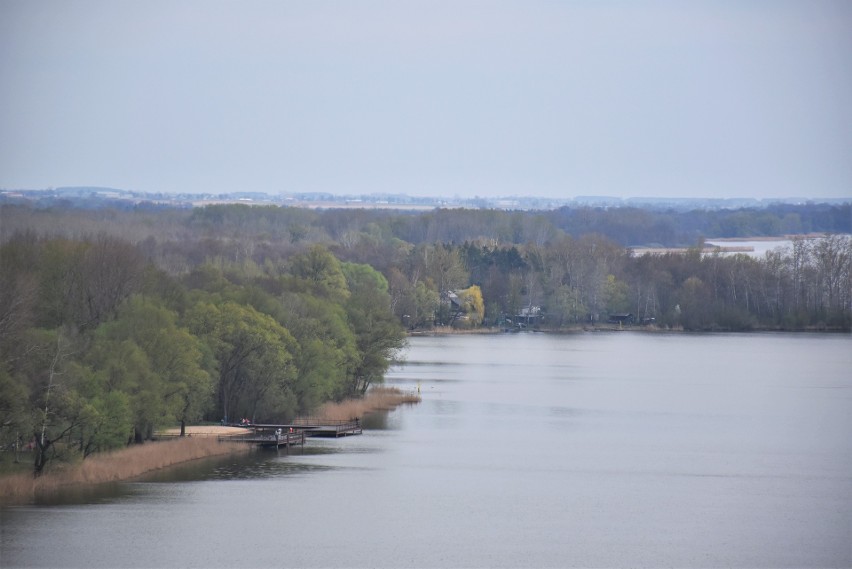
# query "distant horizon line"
(453, 199)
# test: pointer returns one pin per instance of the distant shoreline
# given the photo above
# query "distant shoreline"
(604, 327)
(775, 238)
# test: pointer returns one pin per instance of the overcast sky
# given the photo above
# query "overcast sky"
(727, 98)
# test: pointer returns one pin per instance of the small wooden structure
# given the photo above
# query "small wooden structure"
(294, 434)
(621, 318)
(268, 438)
(321, 427)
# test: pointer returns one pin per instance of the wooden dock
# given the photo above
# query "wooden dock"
(293, 434)
(319, 427)
(266, 439)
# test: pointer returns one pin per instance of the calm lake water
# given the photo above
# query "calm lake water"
(528, 450)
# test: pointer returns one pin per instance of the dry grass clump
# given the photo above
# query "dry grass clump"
(113, 467)
(377, 399)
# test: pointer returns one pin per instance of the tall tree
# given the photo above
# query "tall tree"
(251, 349)
(327, 351)
(144, 354)
(378, 334)
(472, 305)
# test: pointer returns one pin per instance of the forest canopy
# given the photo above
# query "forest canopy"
(100, 346)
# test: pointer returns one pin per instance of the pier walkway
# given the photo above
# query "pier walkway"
(293, 434)
(327, 428)
(266, 439)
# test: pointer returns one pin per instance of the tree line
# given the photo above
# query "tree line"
(113, 323)
(99, 346)
(627, 226)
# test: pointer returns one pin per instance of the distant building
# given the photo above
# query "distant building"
(621, 319)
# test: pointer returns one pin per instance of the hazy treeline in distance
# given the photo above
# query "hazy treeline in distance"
(114, 322)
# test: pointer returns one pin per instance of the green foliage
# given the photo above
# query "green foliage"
(267, 312)
(144, 354)
(253, 355)
(359, 276)
(322, 272)
(615, 294)
(328, 351)
(471, 303)
(378, 334)
(566, 306)
(107, 423)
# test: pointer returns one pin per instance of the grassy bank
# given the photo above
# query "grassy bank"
(115, 466)
(377, 399)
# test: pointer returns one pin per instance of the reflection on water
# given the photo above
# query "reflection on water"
(254, 464)
(85, 494)
(265, 469)
(377, 421)
(584, 450)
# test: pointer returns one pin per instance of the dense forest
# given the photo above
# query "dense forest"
(116, 322)
(99, 346)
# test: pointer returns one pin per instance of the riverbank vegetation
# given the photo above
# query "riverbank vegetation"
(101, 347)
(377, 399)
(114, 323)
(133, 461)
(115, 466)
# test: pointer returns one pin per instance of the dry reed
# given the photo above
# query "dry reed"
(377, 399)
(112, 467)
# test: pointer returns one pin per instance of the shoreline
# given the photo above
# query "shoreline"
(202, 441)
(650, 329)
(786, 237)
(115, 466)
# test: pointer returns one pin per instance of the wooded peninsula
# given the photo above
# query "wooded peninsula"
(115, 322)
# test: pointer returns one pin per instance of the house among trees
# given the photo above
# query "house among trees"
(466, 306)
(621, 318)
(529, 315)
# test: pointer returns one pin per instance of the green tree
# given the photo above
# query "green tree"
(471, 303)
(426, 302)
(54, 409)
(327, 348)
(159, 365)
(615, 296)
(378, 334)
(566, 305)
(321, 271)
(253, 352)
(107, 423)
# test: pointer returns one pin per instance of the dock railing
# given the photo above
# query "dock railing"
(329, 428)
(262, 438)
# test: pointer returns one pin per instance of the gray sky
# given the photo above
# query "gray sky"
(726, 98)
